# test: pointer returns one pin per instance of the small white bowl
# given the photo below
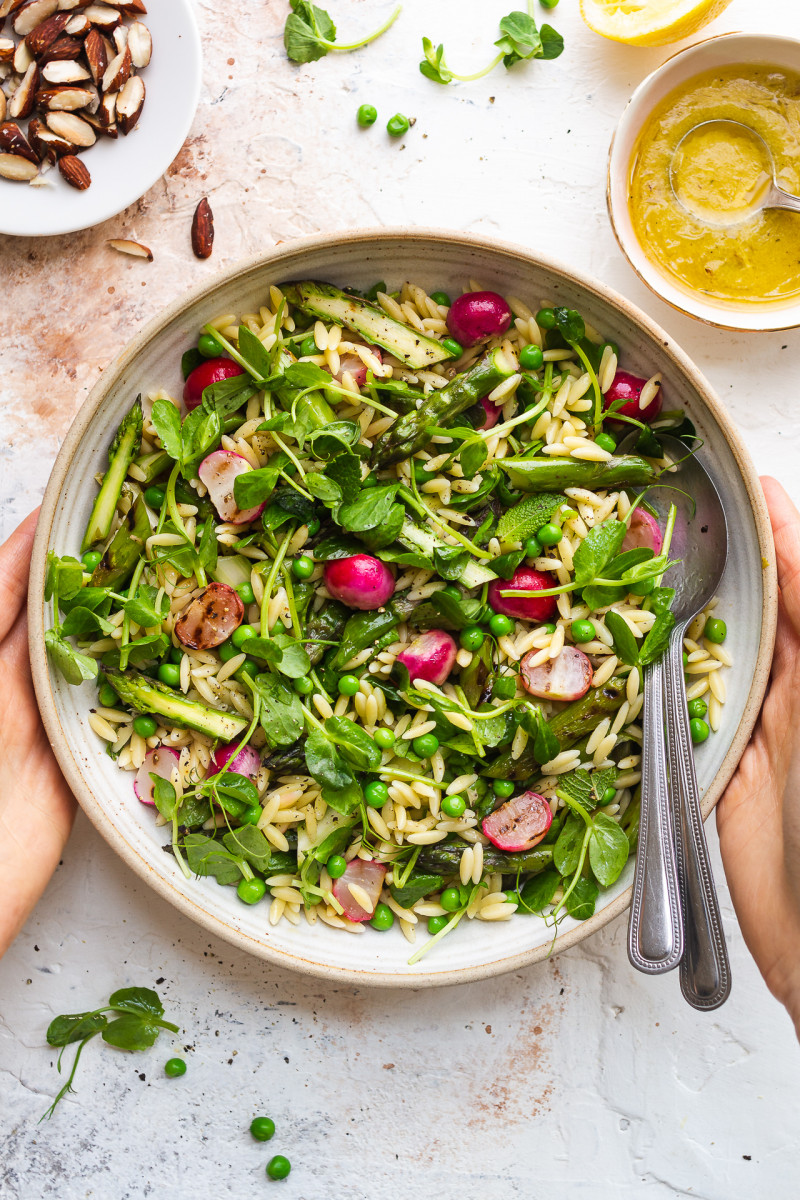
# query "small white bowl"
(722, 51)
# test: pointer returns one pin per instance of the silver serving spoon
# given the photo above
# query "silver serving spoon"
(763, 192)
(700, 543)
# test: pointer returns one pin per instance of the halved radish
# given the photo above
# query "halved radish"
(524, 608)
(492, 414)
(213, 370)
(431, 656)
(246, 761)
(628, 388)
(217, 471)
(520, 823)
(359, 889)
(357, 368)
(644, 532)
(567, 677)
(161, 762)
(211, 618)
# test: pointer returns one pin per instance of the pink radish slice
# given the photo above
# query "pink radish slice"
(567, 677)
(492, 414)
(160, 762)
(431, 656)
(218, 471)
(368, 877)
(519, 824)
(525, 608)
(478, 315)
(211, 618)
(628, 387)
(358, 369)
(644, 533)
(360, 581)
(245, 761)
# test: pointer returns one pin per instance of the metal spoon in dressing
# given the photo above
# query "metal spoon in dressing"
(722, 172)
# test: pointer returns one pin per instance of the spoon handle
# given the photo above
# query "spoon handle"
(778, 198)
(705, 969)
(655, 929)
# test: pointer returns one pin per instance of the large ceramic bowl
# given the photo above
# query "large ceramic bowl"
(152, 360)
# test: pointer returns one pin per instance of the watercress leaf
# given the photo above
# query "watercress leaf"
(74, 1027)
(131, 1032)
(624, 561)
(582, 899)
(567, 850)
(449, 561)
(293, 503)
(337, 546)
(307, 375)
(274, 516)
(64, 575)
(144, 649)
(334, 438)
(538, 892)
(657, 640)
(520, 38)
(325, 763)
(403, 557)
(433, 65)
(141, 609)
(506, 564)
(608, 850)
(415, 887)
(343, 800)
(552, 42)
(369, 509)
(228, 395)
(570, 324)
(596, 596)
(234, 786)
(324, 489)
(660, 599)
(354, 743)
(363, 629)
(193, 810)
(82, 622)
(164, 796)
(207, 546)
(301, 42)
(282, 421)
(625, 644)
(294, 661)
(599, 546)
(200, 432)
(255, 354)
(205, 856)
(249, 843)
(167, 422)
(345, 470)
(96, 599)
(519, 523)
(282, 711)
(252, 488)
(388, 530)
(472, 457)
(74, 666)
(143, 1001)
(334, 843)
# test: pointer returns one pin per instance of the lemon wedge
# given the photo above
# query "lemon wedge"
(649, 22)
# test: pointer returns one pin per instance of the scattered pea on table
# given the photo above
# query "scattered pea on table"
(279, 1167)
(367, 115)
(174, 1067)
(262, 1128)
(397, 125)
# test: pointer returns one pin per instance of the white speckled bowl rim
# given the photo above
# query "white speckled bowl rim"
(362, 252)
(722, 49)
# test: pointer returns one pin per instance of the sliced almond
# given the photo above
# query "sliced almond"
(48, 146)
(3, 106)
(13, 141)
(64, 49)
(72, 127)
(12, 166)
(107, 112)
(42, 36)
(32, 14)
(96, 55)
(22, 102)
(22, 58)
(130, 8)
(9, 7)
(63, 99)
(140, 43)
(130, 103)
(102, 17)
(120, 37)
(75, 172)
(203, 230)
(135, 249)
(66, 71)
(7, 47)
(78, 26)
(118, 72)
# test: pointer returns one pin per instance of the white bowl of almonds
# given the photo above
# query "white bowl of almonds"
(95, 102)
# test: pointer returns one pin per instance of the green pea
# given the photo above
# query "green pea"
(246, 593)
(303, 685)
(240, 635)
(455, 348)
(436, 924)
(169, 673)
(279, 1167)
(531, 358)
(371, 481)
(336, 866)
(699, 730)
(697, 708)
(608, 796)
(715, 630)
(107, 696)
(251, 815)
(251, 890)
(582, 631)
(262, 1128)
(426, 745)
(313, 526)
(208, 346)
(546, 318)
(504, 788)
(548, 3)
(228, 650)
(384, 738)
(450, 899)
(376, 793)
(533, 547)
(249, 667)
(91, 559)
(441, 298)
(453, 806)
(382, 918)
(472, 638)
(501, 625)
(144, 726)
(549, 535)
(348, 685)
(642, 587)
(367, 115)
(606, 442)
(549, 627)
(303, 567)
(397, 125)
(450, 590)
(421, 473)
(174, 1067)
(154, 497)
(308, 347)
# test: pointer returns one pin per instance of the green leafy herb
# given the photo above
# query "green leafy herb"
(310, 34)
(519, 523)
(580, 901)
(324, 761)
(625, 645)
(519, 40)
(74, 666)
(608, 850)
(657, 640)
(282, 712)
(354, 743)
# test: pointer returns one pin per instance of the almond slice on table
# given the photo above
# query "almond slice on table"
(33, 14)
(47, 145)
(64, 71)
(118, 72)
(130, 8)
(120, 38)
(22, 102)
(22, 58)
(3, 106)
(13, 166)
(140, 44)
(130, 102)
(78, 26)
(203, 230)
(135, 249)
(75, 172)
(103, 17)
(72, 127)
(7, 48)
(65, 49)
(96, 55)
(64, 99)
(107, 112)
(41, 37)
(13, 141)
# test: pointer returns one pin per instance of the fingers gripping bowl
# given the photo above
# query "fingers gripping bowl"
(433, 261)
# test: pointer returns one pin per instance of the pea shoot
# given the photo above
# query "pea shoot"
(310, 34)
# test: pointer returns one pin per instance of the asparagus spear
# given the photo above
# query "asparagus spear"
(443, 858)
(123, 450)
(412, 431)
(555, 474)
(149, 696)
(126, 547)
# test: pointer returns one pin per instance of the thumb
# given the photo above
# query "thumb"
(785, 521)
(15, 562)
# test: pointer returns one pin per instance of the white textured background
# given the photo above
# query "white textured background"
(576, 1078)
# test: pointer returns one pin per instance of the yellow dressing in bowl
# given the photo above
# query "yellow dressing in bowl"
(696, 182)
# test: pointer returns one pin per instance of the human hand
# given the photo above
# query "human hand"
(36, 806)
(758, 817)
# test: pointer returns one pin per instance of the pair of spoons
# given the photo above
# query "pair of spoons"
(675, 915)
